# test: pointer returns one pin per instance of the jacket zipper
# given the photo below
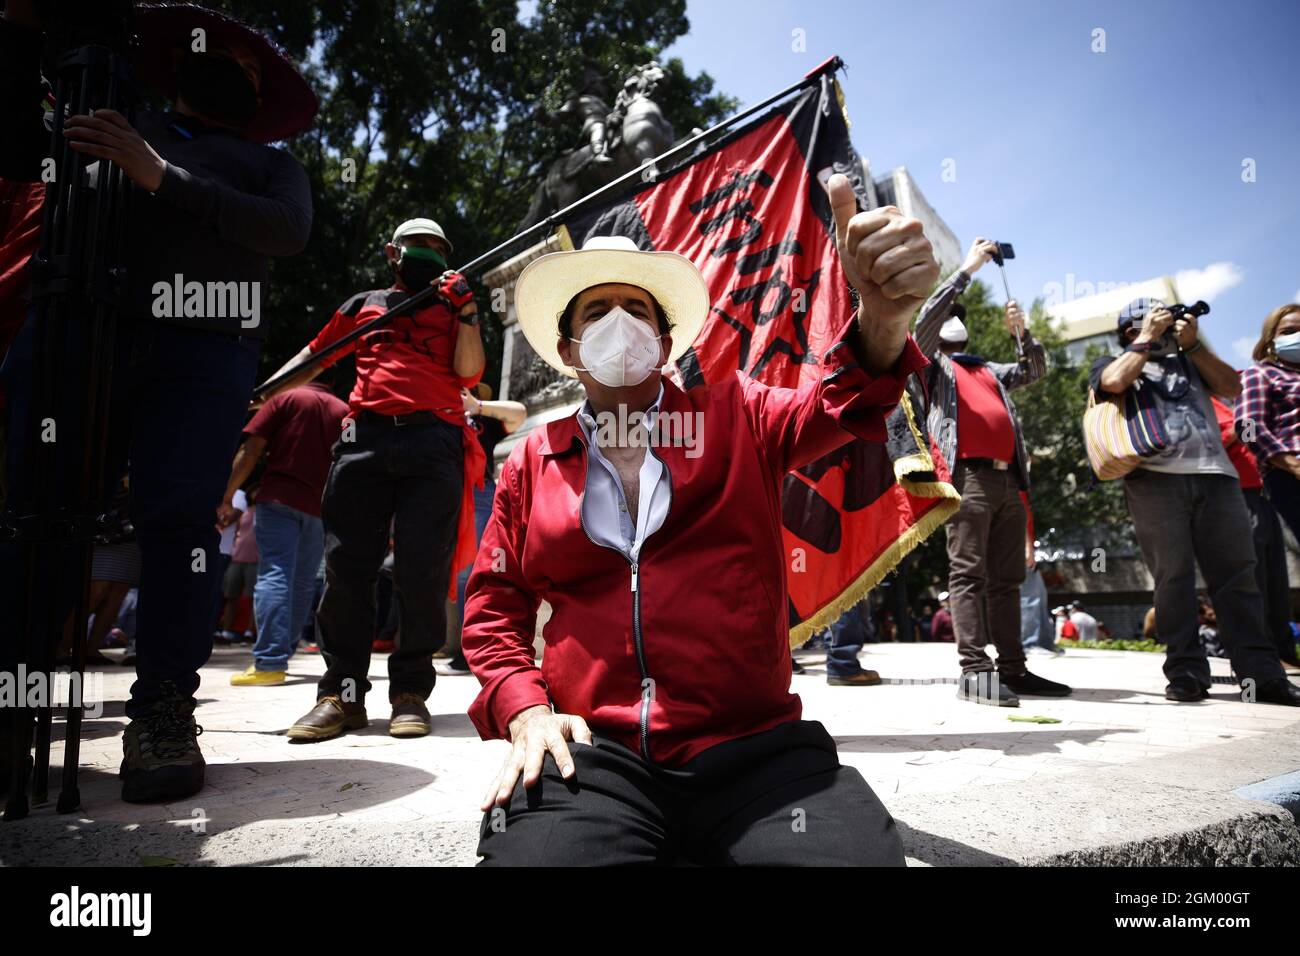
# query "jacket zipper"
(638, 642)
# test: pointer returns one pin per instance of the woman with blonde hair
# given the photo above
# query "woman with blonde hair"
(1268, 412)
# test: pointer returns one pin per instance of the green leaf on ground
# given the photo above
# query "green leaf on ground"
(1036, 719)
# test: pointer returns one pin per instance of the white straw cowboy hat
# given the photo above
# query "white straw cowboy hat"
(546, 286)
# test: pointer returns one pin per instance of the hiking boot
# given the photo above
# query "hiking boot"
(329, 718)
(410, 716)
(161, 759)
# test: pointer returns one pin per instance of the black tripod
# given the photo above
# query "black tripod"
(77, 280)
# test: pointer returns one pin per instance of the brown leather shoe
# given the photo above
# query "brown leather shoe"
(863, 678)
(329, 718)
(410, 716)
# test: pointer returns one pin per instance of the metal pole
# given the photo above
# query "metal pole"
(1007, 289)
(540, 228)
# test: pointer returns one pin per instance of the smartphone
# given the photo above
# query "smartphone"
(1005, 251)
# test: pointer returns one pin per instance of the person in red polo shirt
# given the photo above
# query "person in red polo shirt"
(975, 424)
(405, 460)
(295, 430)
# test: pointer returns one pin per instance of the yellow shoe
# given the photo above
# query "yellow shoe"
(255, 678)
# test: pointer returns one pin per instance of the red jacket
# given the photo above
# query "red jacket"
(699, 653)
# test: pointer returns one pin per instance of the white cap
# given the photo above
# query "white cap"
(943, 596)
(420, 227)
(953, 330)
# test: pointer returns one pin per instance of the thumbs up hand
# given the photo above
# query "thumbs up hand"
(886, 258)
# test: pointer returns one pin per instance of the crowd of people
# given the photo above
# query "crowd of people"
(642, 736)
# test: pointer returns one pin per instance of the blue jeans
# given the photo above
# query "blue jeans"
(290, 544)
(482, 512)
(1037, 629)
(848, 634)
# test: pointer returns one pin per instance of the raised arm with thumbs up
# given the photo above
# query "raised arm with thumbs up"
(888, 260)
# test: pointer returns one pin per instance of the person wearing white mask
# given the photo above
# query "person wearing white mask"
(1268, 411)
(660, 725)
(973, 421)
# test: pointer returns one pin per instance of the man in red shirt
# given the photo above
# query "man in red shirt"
(401, 462)
(667, 661)
(975, 425)
(295, 430)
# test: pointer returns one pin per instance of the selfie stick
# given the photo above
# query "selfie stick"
(1006, 288)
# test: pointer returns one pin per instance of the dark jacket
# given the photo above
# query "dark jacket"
(226, 205)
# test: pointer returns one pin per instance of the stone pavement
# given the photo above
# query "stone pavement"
(1124, 776)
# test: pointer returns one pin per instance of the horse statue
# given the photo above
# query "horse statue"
(617, 140)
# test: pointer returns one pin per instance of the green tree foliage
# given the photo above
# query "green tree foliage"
(441, 108)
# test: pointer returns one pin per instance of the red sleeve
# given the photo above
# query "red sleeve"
(340, 324)
(501, 617)
(266, 422)
(796, 426)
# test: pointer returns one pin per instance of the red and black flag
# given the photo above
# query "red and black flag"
(751, 211)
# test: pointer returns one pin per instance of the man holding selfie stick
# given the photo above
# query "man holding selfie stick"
(979, 436)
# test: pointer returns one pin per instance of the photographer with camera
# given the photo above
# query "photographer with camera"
(211, 202)
(1186, 501)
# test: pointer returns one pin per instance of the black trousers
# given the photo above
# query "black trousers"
(779, 798)
(179, 398)
(407, 478)
(1270, 570)
(1186, 522)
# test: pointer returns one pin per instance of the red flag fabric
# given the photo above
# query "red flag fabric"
(751, 212)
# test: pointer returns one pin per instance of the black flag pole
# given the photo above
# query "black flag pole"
(538, 229)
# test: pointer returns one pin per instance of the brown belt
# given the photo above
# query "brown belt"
(993, 463)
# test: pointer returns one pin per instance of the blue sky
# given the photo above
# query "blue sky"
(1115, 166)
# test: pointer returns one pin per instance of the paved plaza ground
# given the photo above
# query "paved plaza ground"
(1121, 776)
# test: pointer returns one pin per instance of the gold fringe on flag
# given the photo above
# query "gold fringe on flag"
(909, 539)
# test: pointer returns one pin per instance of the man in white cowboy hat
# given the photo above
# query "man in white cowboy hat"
(410, 464)
(661, 724)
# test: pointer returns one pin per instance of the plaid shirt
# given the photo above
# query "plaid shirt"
(1269, 407)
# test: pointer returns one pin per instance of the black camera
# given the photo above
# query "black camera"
(1197, 308)
(1005, 251)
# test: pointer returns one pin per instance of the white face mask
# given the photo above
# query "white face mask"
(619, 350)
(953, 331)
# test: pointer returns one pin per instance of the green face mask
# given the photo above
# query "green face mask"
(419, 266)
(425, 254)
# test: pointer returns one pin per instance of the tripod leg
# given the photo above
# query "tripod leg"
(41, 765)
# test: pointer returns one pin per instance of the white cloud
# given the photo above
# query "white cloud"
(1242, 348)
(1207, 283)
(1297, 296)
